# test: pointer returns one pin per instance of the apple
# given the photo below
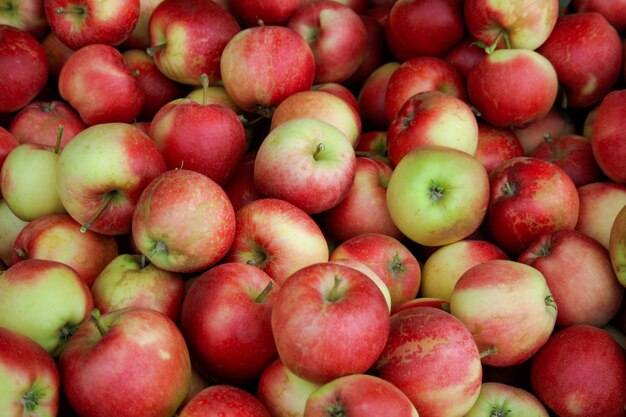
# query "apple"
(600, 202)
(359, 395)
(10, 228)
(306, 162)
(389, 258)
(129, 362)
(528, 197)
(555, 124)
(34, 287)
(102, 172)
(81, 23)
(129, 280)
(496, 145)
(270, 12)
(374, 145)
(277, 237)
(56, 52)
(508, 308)
(258, 80)
(422, 302)
(360, 266)
(329, 320)
(580, 371)
(464, 55)
(512, 87)
(139, 37)
(607, 137)
(591, 66)
(98, 84)
(23, 66)
(432, 118)
(26, 15)
(501, 399)
(226, 321)
(341, 91)
(420, 74)
(617, 246)
(376, 53)
(241, 189)
(29, 378)
(579, 273)
(438, 195)
(8, 142)
(221, 400)
(183, 221)
(431, 357)
(336, 35)
(443, 268)
(517, 24)
(614, 12)
(371, 97)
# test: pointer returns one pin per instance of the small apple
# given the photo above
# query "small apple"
(496, 145)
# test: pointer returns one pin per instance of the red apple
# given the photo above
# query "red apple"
(266, 13)
(555, 123)
(371, 97)
(221, 400)
(464, 55)
(56, 52)
(26, 15)
(600, 202)
(496, 145)
(374, 145)
(617, 252)
(376, 53)
(8, 142)
(139, 37)
(608, 138)
(614, 11)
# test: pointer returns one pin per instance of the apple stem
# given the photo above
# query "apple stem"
(153, 50)
(265, 111)
(489, 351)
(204, 81)
(263, 295)
(73, 9)
(97, 319)
(333, 295)
(21, 253)
(30, 399)
(508, 188)
(105, 203)
(247, 122)
(549, 300)
(57, 147)
(319, 148)
(143, 261)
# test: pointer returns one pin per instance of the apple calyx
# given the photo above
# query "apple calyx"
(57, 146)
(97, 320)
(105, 203)
(159, 247)
(263, 294)
(499, 412)
(334, 293)
(336, 409)
(318, 149)
(396, 266)
(549, 300)
(153, 50)
(492, 350)
(436, 191)
(30, 399)
(72, 9)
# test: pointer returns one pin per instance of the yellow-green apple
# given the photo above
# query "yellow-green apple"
(600, 202)
(277, 237)
(205, 138)
(498, 399)
(389, 258)
(556, 123)
(282, 392)
(371, 97)
(263, 13)
(23, 66)
(528, 197)
(263, 65)
(306, 162)
(28, 181)
(341, 91)
(438, 195)
(29, 377)
(221, 400)
(420, 74)
(496, 145)
(329, 320)
(464, 55)
(613, 11)
(226, 321)
(130, 362)
(129, 280)
(608, 140)
(617, 246)
(427, 27)
(359, 395)
(431, 357)
(139, 37)
(512, 87)
(102, 172)
(57, 237)
(432, 118)
(443, 268)
(26, 15)
(85, 22)
(376, 53)
(10, 227)
(157, 89)
(183, 221)
(34, 287)
(373, 145)
(336, 35)
(574, 154)
(39, 121)
(241, 189)
(580, 276)
(581, 371)
(8, 142)
(523, 24)
(592, 63)
(56, 52)
(98, 84)
(187, 39)
(508, 308)
(367, 194)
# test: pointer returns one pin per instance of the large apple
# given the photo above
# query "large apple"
(608, 140)
(614, 11)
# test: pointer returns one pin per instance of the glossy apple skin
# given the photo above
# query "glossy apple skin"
(241, 189)
(512, 87)
(513, 401)
(464, 55)
(528, 197)
(254, 13)
(8, 142)
(431, 357)
(600, 202)
(92, 22)
(139, 37)
(555, 123)
(592, 64)
(139, 367)
(26, 15)
(581, 371)
(617, 247)
(56, 52)
(221, 400)
(99, 70)
(371, 97)
(27, 371)
(496, 145)
(579, 273)
(614, 12)
(23, 62)
(376, 53)
(321, 333)
(608, 137)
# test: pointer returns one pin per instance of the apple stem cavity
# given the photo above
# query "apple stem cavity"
(319, 148)
(489, 351)
(97, 319)
(105, 203)
(263, 295)
(334, 295)
(204, 81)
(436, 191)
(57, 146)
(509, 189)
(30, 399)
(153, 50)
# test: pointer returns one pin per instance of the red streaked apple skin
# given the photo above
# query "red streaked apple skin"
(608, 137)
(496, 145)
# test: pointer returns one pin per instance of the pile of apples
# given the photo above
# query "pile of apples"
(299, 208)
